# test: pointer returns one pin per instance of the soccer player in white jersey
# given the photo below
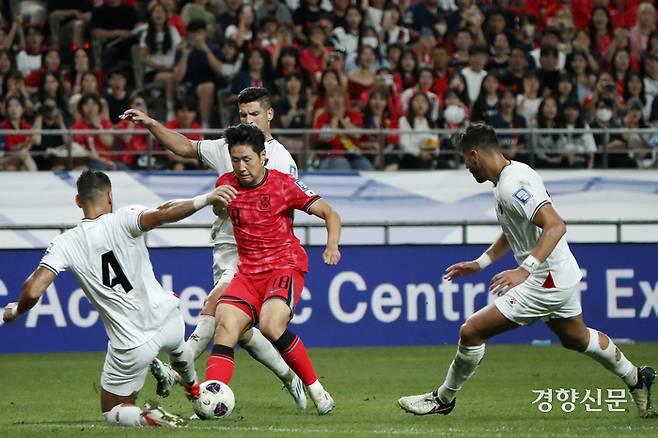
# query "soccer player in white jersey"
(543, 286)
(255, 107)
(107, 254)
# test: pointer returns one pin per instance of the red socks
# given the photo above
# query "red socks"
(220, 364)
(294, 353)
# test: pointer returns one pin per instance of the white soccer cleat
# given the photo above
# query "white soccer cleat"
(325, 403)
(425, 404)
(155, 416)
(641, 392)
(165, 376)
(296, 389)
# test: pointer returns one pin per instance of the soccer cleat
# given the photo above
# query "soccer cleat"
(641, 392)
(296, 388)
(325, 404)
(425, 404)
(165, 376)
(154, 415)
(192, 391)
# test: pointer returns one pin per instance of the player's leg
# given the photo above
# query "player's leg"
(172, 340)
(575, 335)
(232, 321)
(283, 291)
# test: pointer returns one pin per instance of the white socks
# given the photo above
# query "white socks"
(198, 341)
(122, 415)
(612, 358)
(183, 363)
(461, 369)
(316, 391)
(264, 352)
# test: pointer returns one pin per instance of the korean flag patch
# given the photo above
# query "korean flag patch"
(304, 188)
(522, 195)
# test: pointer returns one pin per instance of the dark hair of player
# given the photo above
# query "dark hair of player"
(256, 94)
(92, 184)
(478, 136)
(244, 134)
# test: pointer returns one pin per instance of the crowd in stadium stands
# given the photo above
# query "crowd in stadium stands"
(413, 65)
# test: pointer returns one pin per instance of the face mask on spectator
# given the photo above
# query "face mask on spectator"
(454, 114)
(370, 41)
(604, 114)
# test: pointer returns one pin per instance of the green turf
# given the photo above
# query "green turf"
(57, 395)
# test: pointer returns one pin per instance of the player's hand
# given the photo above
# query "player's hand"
(222, 196)
(138, 118)
(331, 255)
(10, 313)
(502, 282)
(461, 269)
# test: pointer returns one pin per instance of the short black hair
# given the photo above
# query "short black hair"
(255, 94)
(196, 24)
(245, 134)
(93, 184)
(478, 136)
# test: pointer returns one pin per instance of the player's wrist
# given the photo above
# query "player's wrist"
(198, 202)
(484, 260)
(530, 264)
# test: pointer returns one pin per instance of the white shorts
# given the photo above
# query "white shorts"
(224, 262)
(124, 371)
(527, 303)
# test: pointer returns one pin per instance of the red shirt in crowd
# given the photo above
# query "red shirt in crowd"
(80, 124)
(340, 143)
(12, 141)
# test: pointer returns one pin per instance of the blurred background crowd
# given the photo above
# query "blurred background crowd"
(415, 66)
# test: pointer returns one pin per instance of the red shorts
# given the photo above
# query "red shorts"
(248, 292)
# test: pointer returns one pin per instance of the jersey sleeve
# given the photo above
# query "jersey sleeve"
(527, 196)
(282, 161)
(214, 154)
(129, 219)
(298, 195)
(55, 259)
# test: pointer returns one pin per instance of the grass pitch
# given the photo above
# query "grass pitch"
(57, 395)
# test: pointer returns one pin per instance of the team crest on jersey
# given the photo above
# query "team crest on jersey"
(522, 195)
(264, 203)
(304, 188)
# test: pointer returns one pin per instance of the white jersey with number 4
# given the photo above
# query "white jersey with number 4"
(110, 260)
(215, 154)
(519, 194)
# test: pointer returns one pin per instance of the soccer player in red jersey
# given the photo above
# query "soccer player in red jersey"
(272, 263)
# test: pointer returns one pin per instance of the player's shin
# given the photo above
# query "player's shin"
(183, 363)
(294, 354)
(461, 369)
(220, 364)
(202, 334)
(604, 351)
(264, 352)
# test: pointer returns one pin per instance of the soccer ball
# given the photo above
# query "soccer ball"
(216, 400)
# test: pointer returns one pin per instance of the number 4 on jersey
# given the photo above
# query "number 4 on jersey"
(108, 260)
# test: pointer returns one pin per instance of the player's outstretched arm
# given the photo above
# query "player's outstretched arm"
(497, 249)
(177, 209)
(35, 286)
(172, 140)
(323, 210)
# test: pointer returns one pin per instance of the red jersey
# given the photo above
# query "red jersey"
(14, 140)
(262, 221)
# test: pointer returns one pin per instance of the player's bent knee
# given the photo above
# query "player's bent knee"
(272, 329)
(469, 335)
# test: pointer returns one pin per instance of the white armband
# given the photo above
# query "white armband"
(200, 201)
(13, 308)
(530, 264)
(484, 260)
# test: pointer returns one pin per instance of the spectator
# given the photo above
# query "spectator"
(582, 42)
(50, 62)
(117, 96)
(256, 72)
(378, 114)
(475, 72)
(580, 147)
(605, 88)
(512, 77)
(295, 112)
(274, 9)
(157, 48)
(88, 85)
(499, 59)
(113, 23)
(231, 59)
(82, 64)
(50, 87)
(244, 32)
(393, 30)
(135, 146)
(338, 12)
(463, 43)
(634, 89)
(616, 148)
(548, 72)
(185, 119)
(73, 16)
(495, 24)
(344, 149)
(6, 68)
(315, 57)
(15, 87)
(393, 54)
(513, 145)
(98, 145)
(17, 146)
(305, 18)
(549, 146)
(374, 14)
(620, 68)
(425, 82)
(600, 31)
(7, 38)
(644, 26)
(419, 147)
(423, 16)
(328, 80)
(566, 89)
(198, 10)
(288, 64)
(454, 117)
(347, 38)
(550, 38)
(527, 31)
(407, 73)
(650, 68)
(50, 117)
(528, 102)
(197, 66)
(230, 14)
(29, 58)
(362, 79)
(486, 105)
(638, 143)
(174, 17)
(582, 74)
(620, 41)
(442, 73)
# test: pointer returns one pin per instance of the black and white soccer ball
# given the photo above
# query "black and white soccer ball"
(216, 400)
